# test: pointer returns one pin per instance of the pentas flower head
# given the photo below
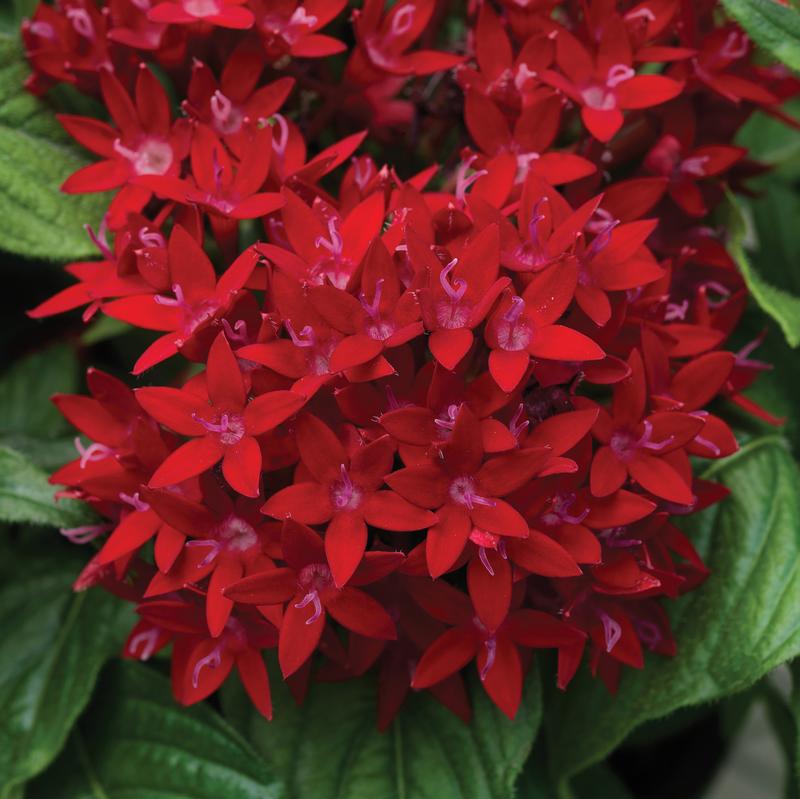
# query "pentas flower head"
(436, 400)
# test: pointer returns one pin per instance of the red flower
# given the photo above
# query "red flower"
(344, 493)
(606, 84)
(465, 492)
(223, 13)
(306, 583)
(200, 298)
(222, 427)
(144, 142)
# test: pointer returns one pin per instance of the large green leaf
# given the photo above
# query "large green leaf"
(26, 496)
(330, 749)
(52, 645)
(771, 25)
(35, 157)
(135, 742)
(743, 622)
(781, 305)
(29, 422)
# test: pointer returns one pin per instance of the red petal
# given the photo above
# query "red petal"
(359, 612)
(450, 346)
(449, 653)
(490, 593)
(424, 485)
(308, 503)
(298, 640)
(503, 682)
(190, 459)
(224, 377)
(501, 519)
(241, 466)
(266, 588)
(320, 450)
(173, 408)
(660, 478)
(255, 679)
(447, 538)
(389, 511)
(345, 542)
(267, 411)
(218, 607)
(540, 554)
(508, 368)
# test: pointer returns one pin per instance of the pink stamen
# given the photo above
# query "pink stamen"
(334, 245)
(517, 428)
(731, 49)
(151, 238)
(221, 107)
(704, 442)
(363, 169)
(43, 29)
(560, 507)
(402, 20)
(648, 633)
(148, 640)
(81, 21)
(450, 421)
(491, 654)
(179, 301)
(301, 17)
(92, 453)
(135, 501)
(464, 181)
(309, 339)
(484, 558)
(742, 356)
(236, 334)
(676, 311)
(618, 74)
(212, 427)
(215, 547)
(212, 660)
(645, 441)
(515, 310)
(311, 596)
(84, 534)
(695, 166)
(280, 141)
(458, 288)
(641, 13)
(602, 239)
(99, 240)
(612, 631)
(373, 308)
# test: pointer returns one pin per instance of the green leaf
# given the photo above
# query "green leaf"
(26, 388)
(26, 496)
(135, 742)
(773, 26)
(738, 626)
(29, 422)
(782, 306)
(15, 11)
(330, 748)
(35, 158)
(52, 645)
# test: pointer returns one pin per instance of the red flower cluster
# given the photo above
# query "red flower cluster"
(422, 421)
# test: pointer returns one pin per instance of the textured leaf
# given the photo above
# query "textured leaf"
(329, 748)
(781, 305)
(52, 645)
(26, 388)
(135, 742)
(773, 26)
(35, 158)
(733, 630)
(26, 496)
(29, 422)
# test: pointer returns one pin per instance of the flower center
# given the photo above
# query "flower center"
(152, 157)
(624, 443)
(559, 511)
(463, 491)
(236, 534)
(201, 8)
(513, 332)
(452, 313)
(344, 494)
(229, 427)
(227, 118)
